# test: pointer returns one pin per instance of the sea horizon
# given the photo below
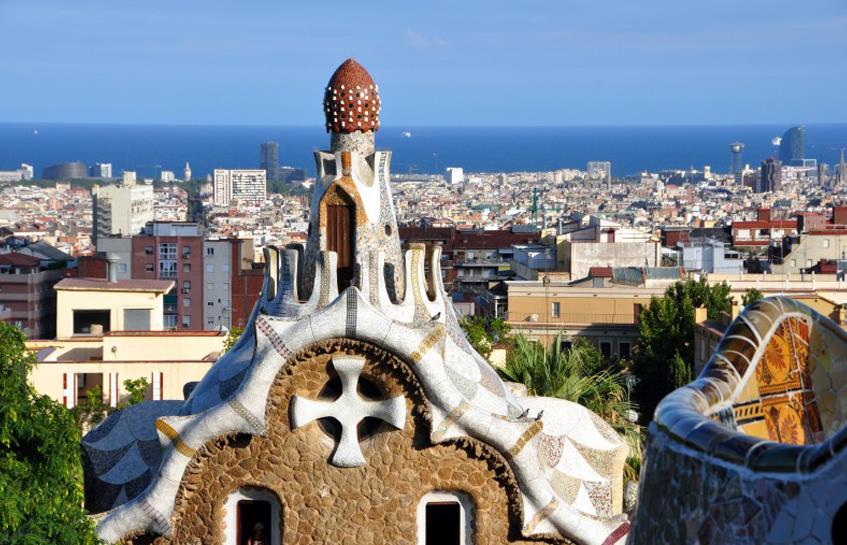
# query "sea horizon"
(428, 149)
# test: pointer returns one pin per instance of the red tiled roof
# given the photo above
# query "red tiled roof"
(829, 231)
(19, 260)
(600, 272)
(101, 284)
(758, 224)
(418, 234)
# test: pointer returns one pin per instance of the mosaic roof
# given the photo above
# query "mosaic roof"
(351, 100)
(565, 461)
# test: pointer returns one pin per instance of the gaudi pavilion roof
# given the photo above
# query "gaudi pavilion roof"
(351, 100)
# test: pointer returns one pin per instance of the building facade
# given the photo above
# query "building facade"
(607, 316)
(173, 251)
(770, 176)
(101, 170)
(454, 175)
(710, 256)
(269, 160)
(121, 209)
(65, 171)
(91, 307)
(217, 280)
(792, 147)
(246, 187)
(602, 171)
(26, 290)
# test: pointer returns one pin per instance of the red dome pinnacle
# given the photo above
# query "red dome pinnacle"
(351, 100)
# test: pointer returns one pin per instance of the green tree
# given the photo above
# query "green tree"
(579, 374)
(664, 356)
(232, 338)
(40, 465)
(751, 296)
(484, 333)
(137, 389)
(92, 411)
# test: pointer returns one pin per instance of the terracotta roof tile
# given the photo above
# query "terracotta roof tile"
(19, 260)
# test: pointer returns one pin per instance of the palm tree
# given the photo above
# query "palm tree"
(579, 374)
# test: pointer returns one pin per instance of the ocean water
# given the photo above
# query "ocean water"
(429, 149)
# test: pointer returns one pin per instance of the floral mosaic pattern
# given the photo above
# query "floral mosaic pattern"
(706, 481)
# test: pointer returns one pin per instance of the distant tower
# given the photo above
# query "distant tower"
(269, 157)
(822, 168)
(841, 176)
(792, 147)
(737, 148)
(770, 176)
(187, 173)
(601, 170)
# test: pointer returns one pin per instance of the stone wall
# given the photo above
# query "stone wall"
(375, 503)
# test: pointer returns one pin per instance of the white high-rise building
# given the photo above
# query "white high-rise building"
(129, 178)
(454, 175)
(27, 171)
(217, 295)
(167, 176)
(101, 170)
(186, 175)
(247, 187)
(121, 209)
(601, 170)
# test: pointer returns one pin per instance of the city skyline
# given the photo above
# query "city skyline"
(619, 64)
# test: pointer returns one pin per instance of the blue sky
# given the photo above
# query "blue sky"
(532, 62)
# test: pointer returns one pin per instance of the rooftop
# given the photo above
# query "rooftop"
(19, 260)
(101, 284)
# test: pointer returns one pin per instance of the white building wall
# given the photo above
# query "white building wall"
(131, 207)
(217, 288)
(122, 247)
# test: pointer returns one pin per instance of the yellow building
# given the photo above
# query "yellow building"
(112, 331)
(93, 306)
(607, 316)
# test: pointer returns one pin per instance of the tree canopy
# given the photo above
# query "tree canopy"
(579, 374)
(664, 355)
(751, 296)
(40, 460)
(484, 333)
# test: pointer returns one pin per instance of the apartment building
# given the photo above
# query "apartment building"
(246, 187)
(26, 291)
(121, 209)
(217, 280)
(763, 230)
(592, 241)
(607, 316)
(111, 330)
(471, 259)
(173, 251)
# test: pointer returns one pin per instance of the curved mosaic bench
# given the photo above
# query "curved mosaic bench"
(753, 451)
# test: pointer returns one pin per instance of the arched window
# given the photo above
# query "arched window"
(252, 513)
(445, 517)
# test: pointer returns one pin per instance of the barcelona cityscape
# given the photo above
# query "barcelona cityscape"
(448, 274)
